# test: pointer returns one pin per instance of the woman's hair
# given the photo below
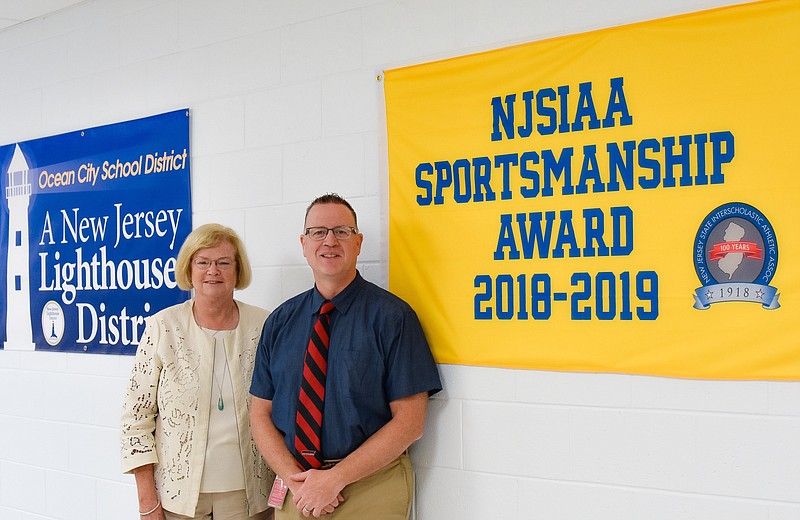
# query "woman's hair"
(210, 235)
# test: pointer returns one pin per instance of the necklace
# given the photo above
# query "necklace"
(217, 321)
(220, 401)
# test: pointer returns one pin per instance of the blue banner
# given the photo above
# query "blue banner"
(91, 225)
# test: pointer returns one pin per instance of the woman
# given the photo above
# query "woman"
(185, 428)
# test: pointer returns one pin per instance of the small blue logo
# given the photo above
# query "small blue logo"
(735, 257)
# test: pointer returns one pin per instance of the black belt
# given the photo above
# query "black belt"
(328, 464)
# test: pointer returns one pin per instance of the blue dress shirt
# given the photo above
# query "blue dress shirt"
(377, 354)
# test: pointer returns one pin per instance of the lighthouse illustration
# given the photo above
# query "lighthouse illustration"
(19, 335)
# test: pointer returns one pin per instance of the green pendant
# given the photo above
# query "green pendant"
(220, 404)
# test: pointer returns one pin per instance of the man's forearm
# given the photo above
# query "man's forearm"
(270, 441)
(388, 443)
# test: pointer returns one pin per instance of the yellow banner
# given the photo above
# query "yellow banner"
(616, 201)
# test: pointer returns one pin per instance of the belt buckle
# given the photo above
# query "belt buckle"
(328, 464)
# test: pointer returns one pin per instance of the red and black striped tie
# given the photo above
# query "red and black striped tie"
(308, 430)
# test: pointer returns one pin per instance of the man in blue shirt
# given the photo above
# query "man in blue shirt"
(380, 373)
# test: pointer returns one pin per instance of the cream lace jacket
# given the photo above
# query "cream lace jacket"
(166, 410)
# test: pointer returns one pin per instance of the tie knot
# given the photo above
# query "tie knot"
(327, 307)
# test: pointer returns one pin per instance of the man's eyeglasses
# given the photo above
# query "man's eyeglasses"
(340, 232)
(223, 264)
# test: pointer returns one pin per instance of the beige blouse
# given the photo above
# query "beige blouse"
(166, 413)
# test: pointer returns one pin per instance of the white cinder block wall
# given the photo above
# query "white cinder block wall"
(285, 105)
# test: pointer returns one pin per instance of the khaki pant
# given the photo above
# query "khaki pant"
(221, 506)
(385, 495)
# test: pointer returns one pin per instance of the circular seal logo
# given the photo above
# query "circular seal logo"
(735, 257)
(52, 323)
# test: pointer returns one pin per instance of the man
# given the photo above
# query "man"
(379, 375)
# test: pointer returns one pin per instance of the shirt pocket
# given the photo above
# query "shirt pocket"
(363, 373)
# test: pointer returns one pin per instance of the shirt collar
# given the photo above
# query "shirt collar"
(341, 301)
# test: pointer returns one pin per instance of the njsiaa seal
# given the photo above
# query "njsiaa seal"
(735, 257)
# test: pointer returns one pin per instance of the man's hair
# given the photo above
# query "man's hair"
(331, 198)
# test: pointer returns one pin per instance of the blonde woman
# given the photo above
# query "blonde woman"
(185, 429)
